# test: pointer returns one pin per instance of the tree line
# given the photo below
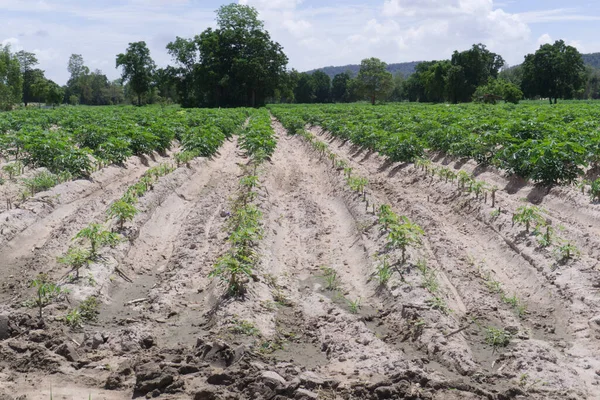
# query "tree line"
(238, 64)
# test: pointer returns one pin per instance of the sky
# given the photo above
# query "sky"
(314, 33)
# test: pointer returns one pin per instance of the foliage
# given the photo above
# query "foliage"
(547, 145)
(331, 278)
(98, 236)
(528, 216)
(76, 258)
(553, 71)
(374, 79)
(498, 89)
(236, 64)
(404, 234)
(11, 79)
(46, 292)
(122, 211)
(138, 68)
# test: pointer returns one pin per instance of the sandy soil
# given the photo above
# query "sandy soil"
(166, 330)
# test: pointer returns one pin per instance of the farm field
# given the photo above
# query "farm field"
(306, 251)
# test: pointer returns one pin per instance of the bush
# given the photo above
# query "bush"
(497, 89)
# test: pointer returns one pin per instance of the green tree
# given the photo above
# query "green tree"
(11, 79)
(28, 61)
(553, 71)
(375, 81)
(239, 63)
(434, 81)
(305, 89)
(138, 68)
(76, 85)
(185, 54)
(478, 65)
(322, 83)
(498, 89)
(54, 94)
(456, 84)
(399, 92)
(339, 87)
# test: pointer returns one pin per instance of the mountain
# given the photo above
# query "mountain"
(592, 59)
(408, 68)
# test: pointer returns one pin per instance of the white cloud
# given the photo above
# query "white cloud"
(544, 39)
(13, 43)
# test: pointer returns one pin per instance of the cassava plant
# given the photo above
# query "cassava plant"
(529, 216)
(98, 236)
(46, 292)
(76, 258)
(122, 211)
(403, 235)
(386, 217)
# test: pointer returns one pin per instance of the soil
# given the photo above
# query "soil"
(166, 329)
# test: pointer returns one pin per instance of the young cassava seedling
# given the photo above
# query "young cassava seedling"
(122, 211)
(46, 292)
(98, 237)
(76, 258)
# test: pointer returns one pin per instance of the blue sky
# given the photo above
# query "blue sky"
(314, 33)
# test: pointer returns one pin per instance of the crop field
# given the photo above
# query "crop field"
(301, 252)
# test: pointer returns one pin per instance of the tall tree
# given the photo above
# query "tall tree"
(185, 54)
(28, 61)
(434, 80)
(305, 89)
(478, 65)
(236, 64)
(399, 91)
(339, 87)
(375, 81)
(322, 83)
(54, 94)
(553, 71)
(138, 68)
(11, 80)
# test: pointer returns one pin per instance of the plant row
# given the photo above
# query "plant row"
(548, 145)
(79, 140)
(236, 267)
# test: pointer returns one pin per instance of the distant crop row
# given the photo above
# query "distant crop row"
(547, 144)
(79, 140)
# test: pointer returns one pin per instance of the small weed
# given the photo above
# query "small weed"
(523, 380)
(271, 346)
(73, 319)
(384, 272)
(281, 299)
(496, 337)
(494, 214)
(567, 251)
(437, 303)
(331, 278)
(243, 327)
(493, 285)
(354, 305)
(89, 309)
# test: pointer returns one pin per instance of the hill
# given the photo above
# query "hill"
(407, 68)
(592, 59)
